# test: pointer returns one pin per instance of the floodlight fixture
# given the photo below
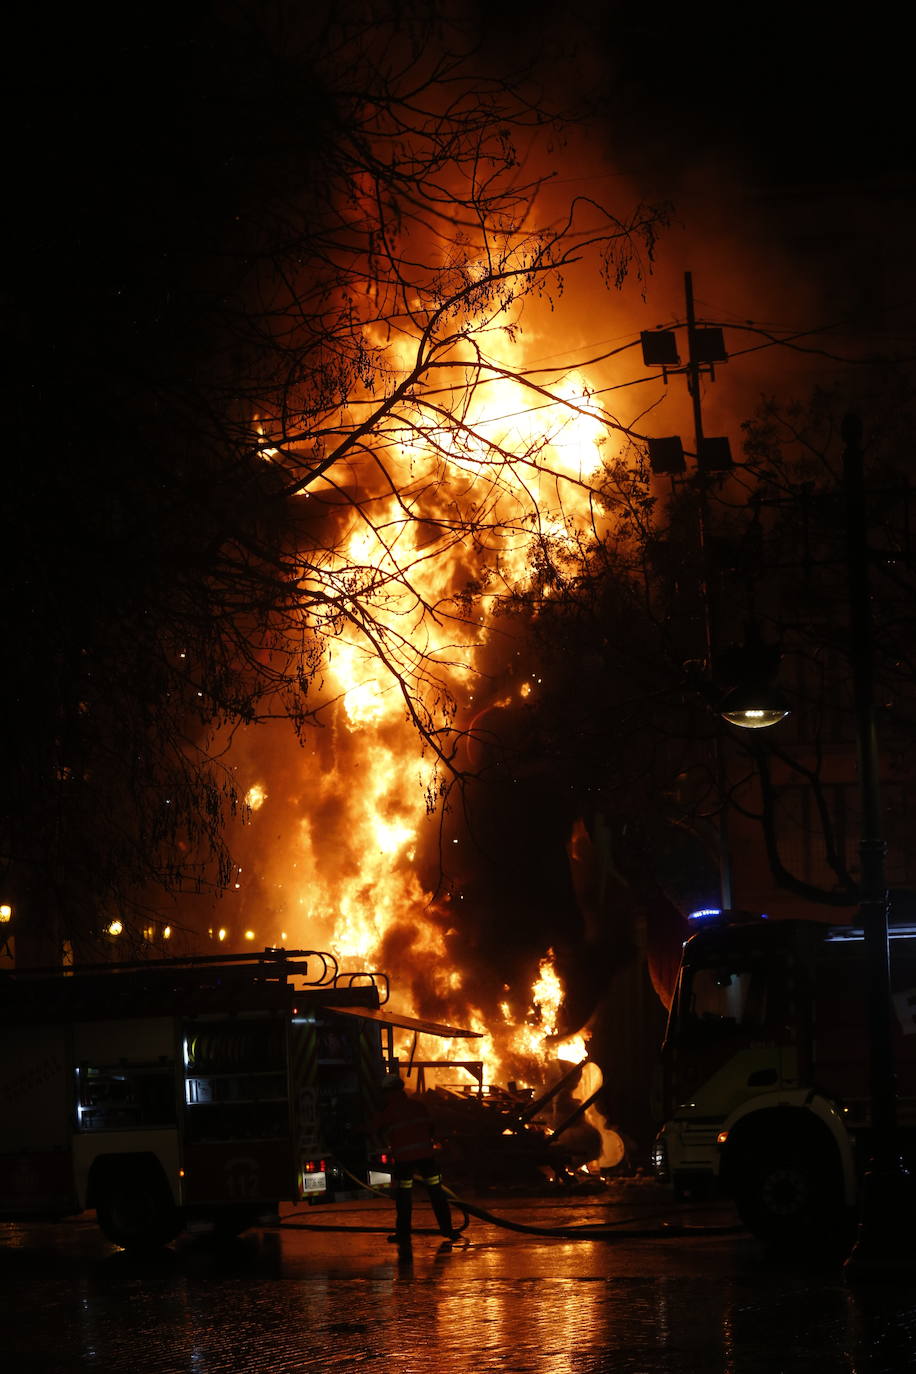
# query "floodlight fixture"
(708, 347)
(659, 348)
(666, 455)
(715, 455)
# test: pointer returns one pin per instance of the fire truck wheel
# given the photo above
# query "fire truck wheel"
(788, 1195)
(134, 1207)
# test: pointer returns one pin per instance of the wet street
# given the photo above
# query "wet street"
(304, 1298)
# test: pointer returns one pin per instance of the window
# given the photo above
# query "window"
(725, 997)
(125, 1097)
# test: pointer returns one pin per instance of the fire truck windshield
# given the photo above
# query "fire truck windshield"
(723, 996)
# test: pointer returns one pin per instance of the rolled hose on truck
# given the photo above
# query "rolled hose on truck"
(582, 1231)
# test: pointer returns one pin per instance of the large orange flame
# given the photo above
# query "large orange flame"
(460, 516)
(383, 778)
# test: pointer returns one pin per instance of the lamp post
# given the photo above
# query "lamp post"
(883, 1247)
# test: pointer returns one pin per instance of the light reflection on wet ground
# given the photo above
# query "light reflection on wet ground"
(313, 1300)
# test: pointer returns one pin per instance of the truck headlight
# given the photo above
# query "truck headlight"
(660, 1160)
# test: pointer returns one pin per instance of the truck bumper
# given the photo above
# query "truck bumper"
(687, 1157)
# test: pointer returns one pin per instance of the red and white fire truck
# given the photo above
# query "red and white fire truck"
(765, 1070)
(189, 1093)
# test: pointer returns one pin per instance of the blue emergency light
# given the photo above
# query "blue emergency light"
(706, 915)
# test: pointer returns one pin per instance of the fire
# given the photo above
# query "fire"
(573, 1050)
(361, 894)
(612, 1145)
(392, 837)
(547, 994)
(451, 509)
(536, 1039)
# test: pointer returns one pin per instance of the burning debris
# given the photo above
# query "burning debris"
(514, 1138)
(513, 1135)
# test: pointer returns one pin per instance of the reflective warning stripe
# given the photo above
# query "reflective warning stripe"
(303, 1057)
(369, 1061)
(303, 1088)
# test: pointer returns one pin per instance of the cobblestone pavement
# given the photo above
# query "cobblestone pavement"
(289, 1299)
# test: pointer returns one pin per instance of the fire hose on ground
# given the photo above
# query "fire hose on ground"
(580, 1231)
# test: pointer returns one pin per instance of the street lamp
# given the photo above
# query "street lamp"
(753, 709)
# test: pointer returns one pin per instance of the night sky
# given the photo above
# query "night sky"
(796, 93)
(134, 144)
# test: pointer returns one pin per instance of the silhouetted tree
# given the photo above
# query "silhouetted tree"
(626, 712)
(261, 257)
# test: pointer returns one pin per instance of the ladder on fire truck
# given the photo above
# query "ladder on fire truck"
(141, 980)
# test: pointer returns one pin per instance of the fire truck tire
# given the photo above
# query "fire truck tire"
(134, 1206)
(788, 1192)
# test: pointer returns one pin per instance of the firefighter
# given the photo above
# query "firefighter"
(406, 1125)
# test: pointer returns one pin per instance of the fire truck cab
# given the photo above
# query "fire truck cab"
(187, 1093)
(765, 1071)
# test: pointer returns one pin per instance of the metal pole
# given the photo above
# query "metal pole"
(710, 608)
(693, 370)
(872, 848)
(573, 1116)
(884, 1245)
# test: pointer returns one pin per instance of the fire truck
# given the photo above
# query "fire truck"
(765, 1093)
(190, 1094)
